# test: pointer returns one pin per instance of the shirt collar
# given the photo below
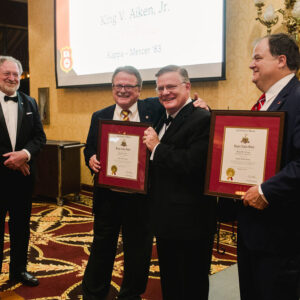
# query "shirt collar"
(276, 88)
(133, 109)
(2, 95)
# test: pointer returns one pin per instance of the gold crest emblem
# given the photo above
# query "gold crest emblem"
(245, 139)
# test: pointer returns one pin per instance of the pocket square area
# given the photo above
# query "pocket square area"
(29, 113)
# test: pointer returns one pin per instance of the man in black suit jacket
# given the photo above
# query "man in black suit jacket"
(114, 209)
(21, 138)
(268, 223)
(183, 219)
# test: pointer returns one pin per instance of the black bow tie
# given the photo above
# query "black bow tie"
(169, 120)
(7, 98)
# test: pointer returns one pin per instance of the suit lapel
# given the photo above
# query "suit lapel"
(3, 125)
(282, 96)
(21, 112)
(144, 113)
(108, 113)
(160, 123)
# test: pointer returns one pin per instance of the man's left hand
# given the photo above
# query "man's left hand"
(25, 169)
(15, 160)
(253, 198)
(150, 138)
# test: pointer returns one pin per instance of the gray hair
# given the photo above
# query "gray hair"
(130, 70)
(173, 68)
(10, 58)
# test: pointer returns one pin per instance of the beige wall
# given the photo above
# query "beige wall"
(71, 109)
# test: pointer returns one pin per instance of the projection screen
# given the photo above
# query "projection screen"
(94, 37)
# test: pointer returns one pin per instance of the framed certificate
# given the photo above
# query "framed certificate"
(244, 150)
(123, 156)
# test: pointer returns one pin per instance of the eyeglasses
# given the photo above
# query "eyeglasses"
(127, 87)
(169, 88)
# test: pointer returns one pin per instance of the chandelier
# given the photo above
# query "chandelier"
(290, 16)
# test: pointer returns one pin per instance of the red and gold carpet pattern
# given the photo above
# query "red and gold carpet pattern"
(59, 248)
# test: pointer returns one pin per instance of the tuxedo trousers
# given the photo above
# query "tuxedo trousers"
(16, 200)
(268, 276)
(184, 267)
(115, 211)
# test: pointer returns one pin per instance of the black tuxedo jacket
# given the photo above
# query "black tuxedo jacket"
(150, 111)
(30, 133)
(276, 228)
(179, 208)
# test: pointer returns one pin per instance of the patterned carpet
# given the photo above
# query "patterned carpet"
(59, 250)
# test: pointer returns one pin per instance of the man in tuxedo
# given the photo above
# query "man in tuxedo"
(115, 210)
(268, 223)
(21, 138)
(183, 219)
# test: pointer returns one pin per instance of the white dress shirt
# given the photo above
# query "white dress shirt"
(10, 112)
(133, 115)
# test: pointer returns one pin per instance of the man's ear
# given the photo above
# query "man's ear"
(282, 60)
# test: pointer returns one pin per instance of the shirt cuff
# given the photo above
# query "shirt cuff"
(153, 151)
(262, 194)
(28, 154)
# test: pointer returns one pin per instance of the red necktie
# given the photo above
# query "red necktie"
(260, 102)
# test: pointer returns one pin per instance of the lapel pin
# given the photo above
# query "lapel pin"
(278, 102)
(147, 117)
